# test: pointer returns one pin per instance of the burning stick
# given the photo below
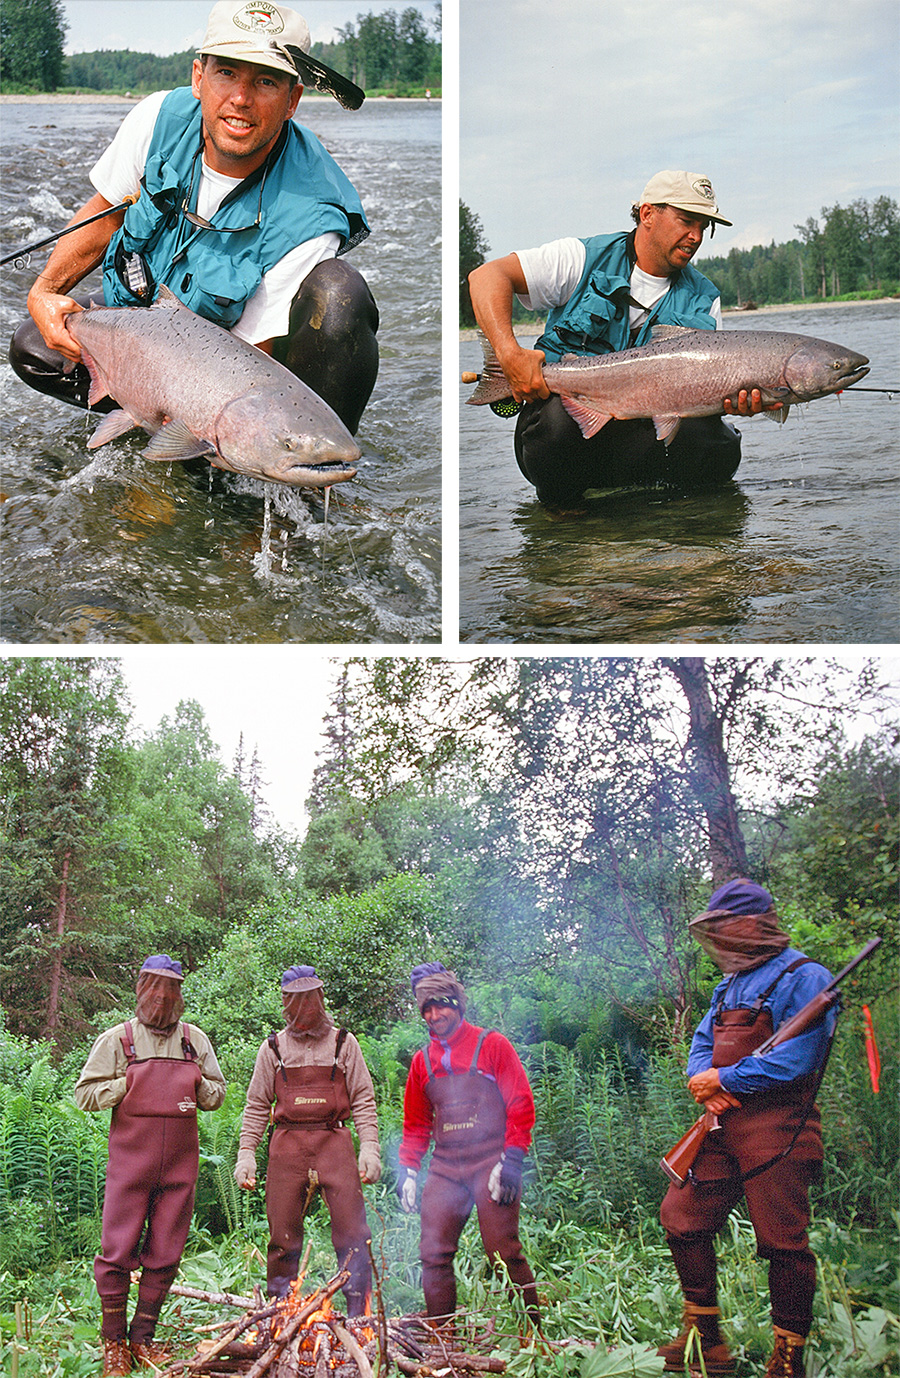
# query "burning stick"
(294, 1324)
(353, 1349)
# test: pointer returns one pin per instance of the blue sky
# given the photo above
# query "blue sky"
(174, 26)
(567, 109)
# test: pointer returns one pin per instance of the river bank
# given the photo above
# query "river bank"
(535, 328)
(103, 98)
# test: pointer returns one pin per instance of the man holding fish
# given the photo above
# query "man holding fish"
(602, 294)
(241, 214)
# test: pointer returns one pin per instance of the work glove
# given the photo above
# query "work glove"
(369, 1163)
(408, 1191)
(245, 1168)
(505, 1181)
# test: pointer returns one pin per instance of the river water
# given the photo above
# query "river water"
(801, 548)
(106, 547)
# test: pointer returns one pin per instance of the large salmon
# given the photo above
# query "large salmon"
(200, 391)
(687, 373)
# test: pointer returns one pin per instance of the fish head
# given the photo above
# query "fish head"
(285, 435)
(817, 367)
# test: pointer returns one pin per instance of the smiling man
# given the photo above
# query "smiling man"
(603, 294)
(468, 1092)
(240, 212)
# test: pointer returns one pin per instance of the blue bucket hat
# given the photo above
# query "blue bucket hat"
(162, 965)
(741, 897)
(299, 979)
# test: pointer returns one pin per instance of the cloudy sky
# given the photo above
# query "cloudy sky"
(174, 26)
(567, 109)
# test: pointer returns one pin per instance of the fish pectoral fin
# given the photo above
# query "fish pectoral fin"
(177, 441)
(666, 427)
(780, 414)
(589, 419)
(116, 423)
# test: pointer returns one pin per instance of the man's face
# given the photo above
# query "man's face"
(442, 1020)
(244, 107)
(668, 239)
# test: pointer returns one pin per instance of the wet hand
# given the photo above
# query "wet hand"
(524, 373)
(747, 404)
(49, 311)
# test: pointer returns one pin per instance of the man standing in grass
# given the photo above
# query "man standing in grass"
(768, 1148)
(468, 1091)
(153, 1073)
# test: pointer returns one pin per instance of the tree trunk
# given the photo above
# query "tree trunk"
(709, 774)
(62, 903)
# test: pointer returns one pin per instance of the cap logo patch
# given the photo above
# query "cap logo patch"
(703, 187)
(258, 17)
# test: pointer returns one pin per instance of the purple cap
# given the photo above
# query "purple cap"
(299, 979)
(741, 897)
(426, 969)
(162, 965)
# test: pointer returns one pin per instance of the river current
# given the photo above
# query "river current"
(802, 547)
(107, 547)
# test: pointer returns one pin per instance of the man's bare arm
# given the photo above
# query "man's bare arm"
(492, 288)
(75, 256)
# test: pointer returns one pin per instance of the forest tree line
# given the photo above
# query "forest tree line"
(544, 827)
(848, 250)
(394, 52)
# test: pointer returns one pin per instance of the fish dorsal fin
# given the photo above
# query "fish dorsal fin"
(165, 297)
(670, 332)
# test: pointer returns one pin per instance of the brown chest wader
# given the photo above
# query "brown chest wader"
(150, 1183)
(311, 1104)
(469, 1133)
(769, 1151)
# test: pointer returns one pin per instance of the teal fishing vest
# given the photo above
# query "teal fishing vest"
(298, 193)
(595, 318)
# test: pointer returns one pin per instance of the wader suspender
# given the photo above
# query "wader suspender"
(756, 1007)
(127, 1041)
(473, 1066)
(272, 1041)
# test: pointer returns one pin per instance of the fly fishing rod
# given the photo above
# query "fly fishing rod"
(21, 256)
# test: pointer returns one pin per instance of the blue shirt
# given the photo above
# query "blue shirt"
(792, 1059)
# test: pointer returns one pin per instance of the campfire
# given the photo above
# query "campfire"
(304, 1336)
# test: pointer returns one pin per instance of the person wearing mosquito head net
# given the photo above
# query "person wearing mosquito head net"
(468, 1092)
(153, 1072)
(238, 210)
(311, 1078)
(768, 1147)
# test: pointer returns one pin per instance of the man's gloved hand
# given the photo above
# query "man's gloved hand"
(369, 1163)
(407, 1190)
(245, 1168)
(505, 1181)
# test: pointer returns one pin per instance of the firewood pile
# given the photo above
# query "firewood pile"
(303, 1336)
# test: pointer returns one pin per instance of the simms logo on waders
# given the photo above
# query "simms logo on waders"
(310, 1100)
(259, 17)
(186, 1106)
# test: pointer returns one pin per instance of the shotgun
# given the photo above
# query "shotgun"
(679, 1160)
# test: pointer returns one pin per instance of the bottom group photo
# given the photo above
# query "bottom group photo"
(525, 1015)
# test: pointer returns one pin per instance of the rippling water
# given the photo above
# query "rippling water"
(108, 547)
(801, 547)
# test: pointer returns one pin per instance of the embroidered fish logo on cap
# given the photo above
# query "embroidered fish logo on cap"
(259, 17)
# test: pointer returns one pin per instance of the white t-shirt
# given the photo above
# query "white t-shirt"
(553, 271)
(117, 174)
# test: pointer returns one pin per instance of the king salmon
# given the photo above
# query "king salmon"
(200, 391)
(687, 373)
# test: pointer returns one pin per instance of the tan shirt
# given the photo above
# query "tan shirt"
(102, 1081)
(313, 1049)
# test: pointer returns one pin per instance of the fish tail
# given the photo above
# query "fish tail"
(493, 385)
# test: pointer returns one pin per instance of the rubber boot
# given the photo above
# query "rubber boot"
(116, 1358)
(700, 1335)
(787, 1359)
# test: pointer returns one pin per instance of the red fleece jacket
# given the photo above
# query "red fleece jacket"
(498, 1059)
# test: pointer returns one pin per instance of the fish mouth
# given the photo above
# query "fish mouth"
(853, 376)
(314, 475)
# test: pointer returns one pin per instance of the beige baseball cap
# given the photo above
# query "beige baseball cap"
(687, 191)
(255, 31)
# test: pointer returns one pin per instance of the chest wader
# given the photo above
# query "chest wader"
(769, 1151)
(150, 1183)
(309, 1136)
(469, 1133)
